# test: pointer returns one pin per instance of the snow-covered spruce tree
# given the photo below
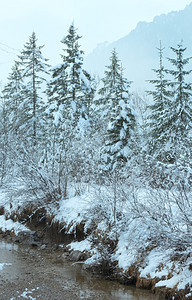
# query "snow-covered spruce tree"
(181, 117)
(180, 121)
(169, 119)
(119, 116)
(103, 101)
(118, 120)
(107, 92)
(155, 150)
(78, 80)
(14, 93)
(70, 90)
(70, 93)
(159, 116)
(16, 112)
(34, 68)
(24, 114)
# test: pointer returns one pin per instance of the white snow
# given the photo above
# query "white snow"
(74, 210)
(124, 255)
(9, 225)
(181, 277)
(81, 246)
(27, 294)
(2, 265)
(155, 262)
(159, 264)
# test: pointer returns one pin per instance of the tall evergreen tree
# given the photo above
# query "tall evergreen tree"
(159, 117)
(70, 88)
(78, 80)
(70, 92)
(14, 93)
(34, 68)
(109, 89)
(119, 115)
(181, 118)
(170, 121)
(14, 117)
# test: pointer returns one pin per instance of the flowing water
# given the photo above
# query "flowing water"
(41, 274)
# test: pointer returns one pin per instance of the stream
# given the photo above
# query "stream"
(30, 273)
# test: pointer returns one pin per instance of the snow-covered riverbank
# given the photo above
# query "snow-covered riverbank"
(126, 243)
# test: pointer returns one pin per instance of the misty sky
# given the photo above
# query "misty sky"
(97, 21)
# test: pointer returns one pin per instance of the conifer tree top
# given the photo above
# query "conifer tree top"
(71, 44)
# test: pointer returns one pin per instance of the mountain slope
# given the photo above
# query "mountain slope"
(137, 50)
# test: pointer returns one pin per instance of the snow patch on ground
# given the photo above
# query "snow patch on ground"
(156, 264)
(124, 254)
(74, 210)
(181, 277)
(94, 258)
(81, 246)
(27, 294)
(2, 265)
(9, 225)
(159, 264)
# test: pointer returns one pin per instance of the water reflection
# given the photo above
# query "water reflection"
(88, 286)
(56, 278)
(8, 246)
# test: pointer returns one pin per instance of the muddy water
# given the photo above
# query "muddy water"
(42, 274)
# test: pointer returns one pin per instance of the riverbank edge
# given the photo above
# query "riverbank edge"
(49, 232)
